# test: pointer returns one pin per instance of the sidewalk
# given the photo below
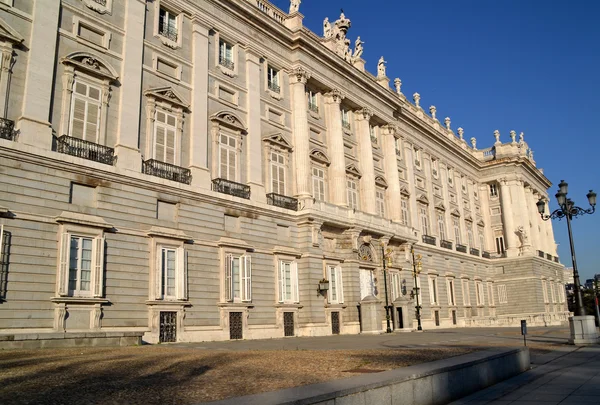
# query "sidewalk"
(567, 376)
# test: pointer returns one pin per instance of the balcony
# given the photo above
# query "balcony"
(313, 107)
(7, 129)
(85, 149)
(461, 248)
(274, 87)
(282, 201)
(231, 187)
(430, 240)
(540, 254)
(168, 32)
(226, 63)
(446, 244)
(166, 171)
(474, 252)
(486, 255)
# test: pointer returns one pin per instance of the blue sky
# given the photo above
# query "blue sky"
(527, 65)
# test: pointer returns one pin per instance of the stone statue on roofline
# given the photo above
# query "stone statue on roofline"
(513, 136)
(294, 6)
(497, 136)
(358, 48)
(381, 67)
(327, 28)
(398, 85)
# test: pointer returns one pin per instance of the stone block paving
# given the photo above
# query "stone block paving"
(567, 377)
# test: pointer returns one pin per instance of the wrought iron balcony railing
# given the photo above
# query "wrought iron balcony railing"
(166, 171)
(274, 87)
(231, 187)
(540, 253)
(282, 201)
(7, 129)
(487, 255)
(313, 107)
(446, 244)
(227, 63)
(430, 240)
(474, 252)
(461, 248)
(85, 149)
(168, 32)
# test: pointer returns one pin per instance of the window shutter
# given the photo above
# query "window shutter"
(281, 180)
(158, 276)
(281, 281)
(340, 283)
(170, 146)
(63, 268)
(223, 166)
(2, 258)
(228, 278)
(231, 175)
(159, 142)
(92, 122)
(98, 266)
(78, 117)
(295, 289)
(247, 278)
(181, 274)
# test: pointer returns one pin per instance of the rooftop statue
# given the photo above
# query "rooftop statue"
(327, 28)
(521, 137)
(358, 48)
(447, 122)
(417, 99)
(433, 110)
(398, 85)
(381, 67)
(497, 136)
(474, 143)
(294, 6)
(461, 132)
(513, 136)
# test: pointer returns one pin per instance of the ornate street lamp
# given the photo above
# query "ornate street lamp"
(417, 267)
(567, 209)
(386, 256)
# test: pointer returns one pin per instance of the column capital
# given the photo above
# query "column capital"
(335, 96)
(299, 75)
(390, 129)
(364, 113)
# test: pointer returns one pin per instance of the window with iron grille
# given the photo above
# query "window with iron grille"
(312, 101)
(167, 24)
(493, 190)
(345, 119)
(5, 241)
(226, 55)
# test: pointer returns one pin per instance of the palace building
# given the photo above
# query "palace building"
(185, 170)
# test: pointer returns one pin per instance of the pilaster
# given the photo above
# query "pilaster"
(365, 153)
(524, 206)
(253, 155)
(534, 218)
(34, 124)
(198, 162)
(301, 136)
(335, 146)
(484, 196)
(508, 219)
(391, 171)
(126, 148)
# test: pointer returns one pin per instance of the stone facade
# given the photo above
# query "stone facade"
(192, 170)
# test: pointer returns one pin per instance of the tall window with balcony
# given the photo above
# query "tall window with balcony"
(85, 111)
(278, 169)
(313, 105)
(273, 80)
(228, 157)
(167, 24)
(456, 225)
(441, 226)
(405, 217)
(346, 120)
(165, 142)
(380, 201)
(352, 193)
(424, 218)
(318, 180)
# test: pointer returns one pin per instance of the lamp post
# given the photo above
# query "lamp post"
(386, 255)
(417, 267)
(567, 209)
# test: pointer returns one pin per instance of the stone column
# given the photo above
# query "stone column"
(391, 171)
(198, 162)
(534, 218)
(301, 135)
(253, 139)
(335, 146)
(129, 156)
(508, 219)
(365, 155)
(34, 124)
(484, 195)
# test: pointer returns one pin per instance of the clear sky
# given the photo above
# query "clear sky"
(527, 65)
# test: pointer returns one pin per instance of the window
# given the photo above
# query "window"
(318, 177)
(277, 173)
(490, 288)
(312, 102)
(433, 290)
(466, 292)
(165, 130)
(373, 134)
(560, 290)
(434, 168)
(167, 24)
(404, 210)
(441, 226)
(545, 291)
(502, 297)
(273, 79)
(170, 277)
(352, 193)
(345, 119)
(450, 176)
(367, 283)
(493, 190)
(226, 55)
(481, 241)
(397, 286)
(417, 157)
(479, 293)
(227, 157)
(424, 220)
(552, 293)
(500, 248)
(456, 225)
(288, 282)
(238, 278)
(336, 293)
(451, 299)
(464, 184)
(85, 111)
(398, 142)
(81, 265)
(380, 199)
(470, 234)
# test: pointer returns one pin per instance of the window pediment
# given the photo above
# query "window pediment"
(353, 170)
(480, 222)
(169, 95)
(423, 199)
(229, 120)
(320, 157)
(168, 233)
(455, 213)
(404, 191)
(279, 140)
(440, 206)
(469, 218)
(8, 33)
(92, 65)
(381, 182)
(83, 219)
